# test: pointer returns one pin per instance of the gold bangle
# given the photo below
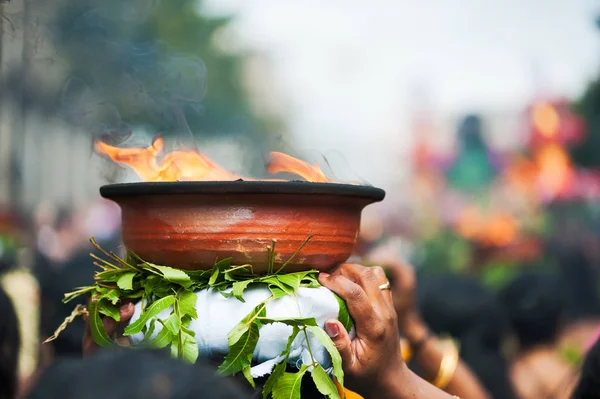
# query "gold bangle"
(405, 349)
(447, 366)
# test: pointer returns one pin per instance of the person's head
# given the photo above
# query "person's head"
(77, 271)
(9, 347)
(470, 134)
(461, 307)
(132, 374)
(535, 304)
(579, 282)
(588, 386)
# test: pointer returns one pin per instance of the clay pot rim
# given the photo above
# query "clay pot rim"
(241, 187)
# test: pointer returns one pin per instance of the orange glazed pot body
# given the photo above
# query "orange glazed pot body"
(188, 225)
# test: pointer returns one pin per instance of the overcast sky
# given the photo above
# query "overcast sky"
(350, 68)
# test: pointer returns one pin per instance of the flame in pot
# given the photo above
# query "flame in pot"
(188, 165)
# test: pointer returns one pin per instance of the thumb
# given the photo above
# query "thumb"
(338, 334)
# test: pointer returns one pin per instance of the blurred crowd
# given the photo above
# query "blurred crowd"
(505, 253)
(526, 338)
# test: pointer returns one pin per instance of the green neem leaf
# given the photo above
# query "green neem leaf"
(149, 332)
(214, 276)
(323, 383)
(248, 376)
(79, 291)
(162, 339)
(288, 385)
(175, 276)
(149, 283)
(132, 258)
(184, 347)
(199, 276)
(280, 368)
(225, 292)
(336, 359)
(185, 321)
(98, 333)
(190, 348)
(110, 275)
(108, 309)
(112, 295)
(294, 322)
(274, 281)
(239, 287)
(150, 313)
(125, 281)
(244, 325)
(217, 272)
(187, 304)
(156, 286)
(240, 354)
(132, 295)
(172, 323)
(311, 279)
(273, 378)
(292, 280)
(277, 292)
(343, 314)
(238, 273)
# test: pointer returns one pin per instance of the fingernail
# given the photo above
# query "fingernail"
(324, 275)
(332, 329)
(128, 308)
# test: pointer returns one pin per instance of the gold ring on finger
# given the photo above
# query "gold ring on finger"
(385, 286)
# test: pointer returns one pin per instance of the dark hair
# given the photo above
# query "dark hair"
(461, 307)
(535, 305)
(132, 374)
(588, 386)
(55, 280)
(579, 285)
(10, 343)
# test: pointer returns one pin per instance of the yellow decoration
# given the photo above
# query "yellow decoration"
(406, 354)
(349, 394)
(448, 365)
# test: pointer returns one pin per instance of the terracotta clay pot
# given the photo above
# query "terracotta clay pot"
(188, 225)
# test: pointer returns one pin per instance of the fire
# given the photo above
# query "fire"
(281, 162)
(188, 165)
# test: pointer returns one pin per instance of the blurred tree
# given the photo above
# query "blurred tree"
(587, 154)
(154, 63)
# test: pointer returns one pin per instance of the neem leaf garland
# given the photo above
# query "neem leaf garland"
(161, 287)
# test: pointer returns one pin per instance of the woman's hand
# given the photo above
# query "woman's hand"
(112, 328)
(404, 293)
(372, 361)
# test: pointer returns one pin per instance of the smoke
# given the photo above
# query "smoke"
(120, 78)
(98, 65)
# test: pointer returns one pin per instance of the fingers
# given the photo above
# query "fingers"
(369, 278)
(341, 340)
(126, 312)
(365, 317)
(112, 328)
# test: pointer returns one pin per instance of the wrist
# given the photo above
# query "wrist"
(414, 329)
(389, 386)
(400, 384)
